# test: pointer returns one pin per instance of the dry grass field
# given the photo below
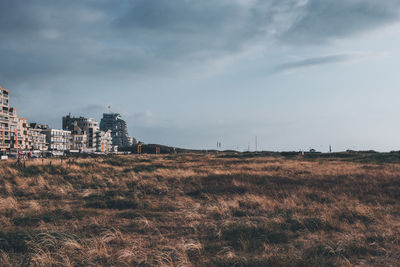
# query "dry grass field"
(200, 210)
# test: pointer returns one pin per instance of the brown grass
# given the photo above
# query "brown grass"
(199, 210)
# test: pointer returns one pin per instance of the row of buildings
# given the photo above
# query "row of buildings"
(78, 134)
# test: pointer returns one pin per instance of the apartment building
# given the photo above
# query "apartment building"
(88, 125)
(14, 135)
(79, 138)
(5, 137)
(118, 128)
(37, 140)
(15, 138)
(104, 141)
(58, 141)
(20, 138)
(36, 137)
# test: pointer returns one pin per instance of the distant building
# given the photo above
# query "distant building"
(118, 128)
(104, 141)
(36, 137)
(21, 139)
(34, 125)
(16, 135)
(37, 140)
(5, 133)
(58, 140)
(79, 138)
(88, 126)
(15, 142)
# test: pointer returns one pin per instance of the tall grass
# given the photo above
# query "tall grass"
(254, 209)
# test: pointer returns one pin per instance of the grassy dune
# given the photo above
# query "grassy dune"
(200, 210)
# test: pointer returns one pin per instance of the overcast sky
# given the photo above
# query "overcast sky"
(297, 74)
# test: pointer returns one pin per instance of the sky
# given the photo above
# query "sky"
(296, 74)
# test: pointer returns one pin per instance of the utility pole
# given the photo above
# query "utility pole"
(256, 144)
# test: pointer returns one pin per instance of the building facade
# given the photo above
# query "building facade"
(118, 128)
(104, 141)
(58, 140)
(88, 126)
(21, 137)
(79, 138)
(36, 138)
(4, 119)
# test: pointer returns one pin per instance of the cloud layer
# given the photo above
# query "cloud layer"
(309, 62)
(42, 39)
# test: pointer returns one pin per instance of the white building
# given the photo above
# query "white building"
(104, 141)
(58, 140)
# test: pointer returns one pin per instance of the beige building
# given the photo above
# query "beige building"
(15, 132)
(20, 135)
(79, 138)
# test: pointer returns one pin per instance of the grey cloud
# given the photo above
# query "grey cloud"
(182, 16)
(320, 21)
(45, 39)
(309, 62)
(188, 29)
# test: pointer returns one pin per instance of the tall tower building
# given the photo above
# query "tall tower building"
(5, 137)
(118, 128)
(12, 134)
